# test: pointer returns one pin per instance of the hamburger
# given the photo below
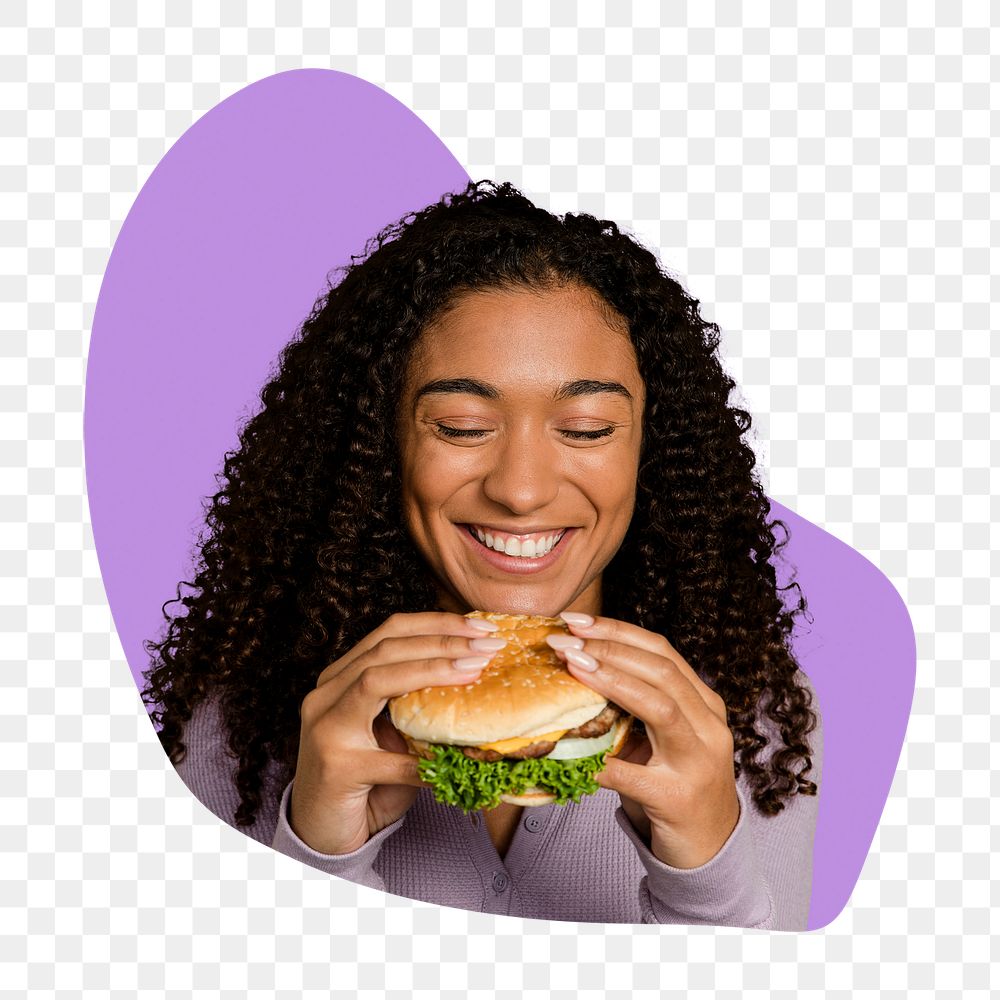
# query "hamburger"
(524, 732)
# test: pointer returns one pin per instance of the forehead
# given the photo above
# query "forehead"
(528, 337)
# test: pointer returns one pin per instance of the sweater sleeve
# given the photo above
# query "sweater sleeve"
(727, 890)
(358, 866)
(761, 877)
(209, 771)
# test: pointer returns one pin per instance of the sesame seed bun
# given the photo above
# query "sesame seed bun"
(524, 691)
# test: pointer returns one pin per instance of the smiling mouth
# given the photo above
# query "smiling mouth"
(535, 547)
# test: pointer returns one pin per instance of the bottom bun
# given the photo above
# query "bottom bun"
(539, 797)
(530, 797)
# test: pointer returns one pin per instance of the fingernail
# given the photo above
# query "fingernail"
(482, 624)
(576, 618)
(582, 660)
(487, 645)
(564, 642)
(470, 662)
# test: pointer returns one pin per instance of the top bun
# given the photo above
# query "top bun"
(525, 690)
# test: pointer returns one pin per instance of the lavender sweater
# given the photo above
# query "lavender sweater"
(582, 862)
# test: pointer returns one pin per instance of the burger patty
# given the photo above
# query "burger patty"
(597, 726)
(592, 728)
(532, 750)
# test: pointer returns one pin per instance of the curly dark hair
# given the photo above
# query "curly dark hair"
(305, 552)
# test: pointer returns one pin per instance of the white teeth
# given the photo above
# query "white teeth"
(530, 549)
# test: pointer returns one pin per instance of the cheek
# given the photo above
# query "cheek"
(412, 492)
(417, 500)
(418, 518)
(428, 481)
(614, 479)
(615, 499)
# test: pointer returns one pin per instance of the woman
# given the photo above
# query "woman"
(490, 368)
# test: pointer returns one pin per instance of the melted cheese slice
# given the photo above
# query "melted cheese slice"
(508, 746)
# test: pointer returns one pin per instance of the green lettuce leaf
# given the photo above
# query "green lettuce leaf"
(470, 784)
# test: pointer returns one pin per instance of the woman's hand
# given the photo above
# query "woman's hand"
(353, 776)
(677, 784)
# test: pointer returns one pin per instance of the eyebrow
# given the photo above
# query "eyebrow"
(474, 387)
(590, 387)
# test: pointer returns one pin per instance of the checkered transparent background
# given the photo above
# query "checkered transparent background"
(817, 174)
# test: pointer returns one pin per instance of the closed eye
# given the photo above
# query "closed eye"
(459, 432)
(456, 432)
(589, 435)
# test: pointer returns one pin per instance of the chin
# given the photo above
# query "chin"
(507, 603)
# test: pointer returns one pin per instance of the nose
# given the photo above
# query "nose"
(524, 473)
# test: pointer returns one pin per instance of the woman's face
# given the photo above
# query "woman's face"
(520, 426)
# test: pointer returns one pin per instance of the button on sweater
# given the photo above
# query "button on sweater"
(581, 862)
